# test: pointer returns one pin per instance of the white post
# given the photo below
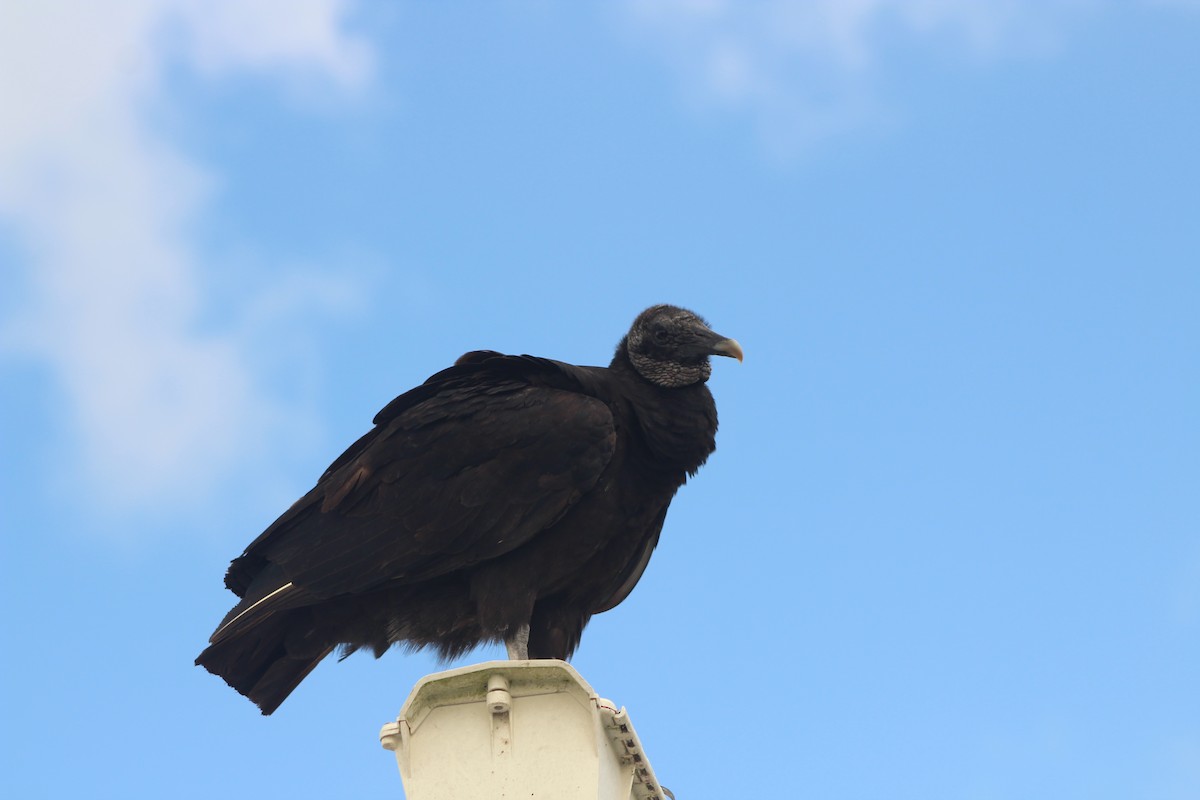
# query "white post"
(530, 729)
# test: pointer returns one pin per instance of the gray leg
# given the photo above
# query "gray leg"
(518, 644)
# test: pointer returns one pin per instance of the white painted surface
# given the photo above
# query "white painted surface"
(516, 729)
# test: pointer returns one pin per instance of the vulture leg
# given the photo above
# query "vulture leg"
(518, 644)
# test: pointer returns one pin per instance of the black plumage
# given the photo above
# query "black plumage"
(508, 498)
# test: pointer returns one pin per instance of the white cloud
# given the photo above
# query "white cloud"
(807, 71)
(101, 204)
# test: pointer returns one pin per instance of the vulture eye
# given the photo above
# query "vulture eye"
(660, 334)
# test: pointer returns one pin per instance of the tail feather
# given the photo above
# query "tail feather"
(258, 664)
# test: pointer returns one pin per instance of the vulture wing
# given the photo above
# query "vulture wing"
(464, 468)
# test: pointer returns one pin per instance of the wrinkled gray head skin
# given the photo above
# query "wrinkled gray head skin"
(669, 346)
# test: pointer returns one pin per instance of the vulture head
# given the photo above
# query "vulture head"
(669, 346)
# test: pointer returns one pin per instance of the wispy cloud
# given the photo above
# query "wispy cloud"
(101, 204)
(808, 71)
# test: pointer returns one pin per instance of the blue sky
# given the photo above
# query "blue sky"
(949, 544)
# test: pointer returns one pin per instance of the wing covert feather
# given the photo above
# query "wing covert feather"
(457, 478)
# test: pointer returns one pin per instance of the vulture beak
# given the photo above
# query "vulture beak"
(707, 342)
(726, 347)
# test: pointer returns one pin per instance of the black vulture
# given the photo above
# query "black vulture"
(507, 498)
